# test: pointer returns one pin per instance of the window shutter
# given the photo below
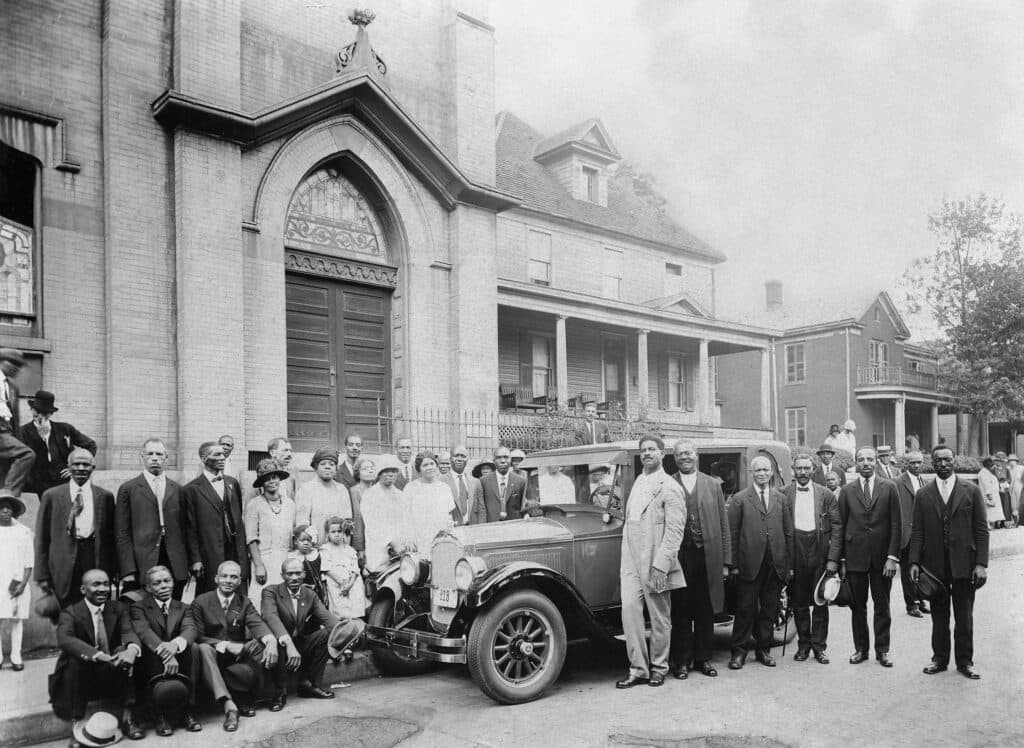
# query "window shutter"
(663, 398)
(690, 372)
(525, 359)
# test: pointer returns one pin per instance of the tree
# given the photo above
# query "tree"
(973, 287)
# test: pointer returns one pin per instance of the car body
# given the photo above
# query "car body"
(506, 597)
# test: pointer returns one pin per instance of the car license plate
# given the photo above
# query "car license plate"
(445, 598)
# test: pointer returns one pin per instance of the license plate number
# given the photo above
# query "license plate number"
(444, 597)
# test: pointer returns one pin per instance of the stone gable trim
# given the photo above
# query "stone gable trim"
(336, 268)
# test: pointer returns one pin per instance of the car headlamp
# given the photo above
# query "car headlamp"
(466, 570)
(413, 569)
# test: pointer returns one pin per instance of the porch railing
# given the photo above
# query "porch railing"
(897, 375)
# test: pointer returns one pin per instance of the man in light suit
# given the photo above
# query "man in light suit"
(817, 542)
(950, 539)
(649, 568)
(827, 454)
(214, 528)
(74, 532)
(705, 555)
(346, 474)
(465, 488)
(149, 522)
(503, 491)
(762, 545)
(593, 430)
(908, 484)
(870, 510)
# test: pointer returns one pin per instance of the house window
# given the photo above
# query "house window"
(676, 375)
(591, 179)
(878, 314)
(613, 368)
(537, 363)
(538, 247)
(18, 238)
(673, 279)
(796, 427)
(796, 367)
(611, 286)
(879, 354)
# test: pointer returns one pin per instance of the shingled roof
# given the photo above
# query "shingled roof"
(628, 213)
(824, 311)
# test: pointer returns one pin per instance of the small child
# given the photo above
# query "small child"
(304, 549)
(15, 572)
(341, 569)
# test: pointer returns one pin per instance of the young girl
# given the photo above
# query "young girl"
(15, 572)
(304, 549)
(341, 568)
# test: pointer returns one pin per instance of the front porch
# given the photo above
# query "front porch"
(903, 403)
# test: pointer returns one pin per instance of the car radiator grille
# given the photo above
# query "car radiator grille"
(443, 557)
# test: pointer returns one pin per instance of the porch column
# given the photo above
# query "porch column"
(642, 374)
(703, 384)
(900, 426)
(766, 390)
(935, 427)
(561, 363)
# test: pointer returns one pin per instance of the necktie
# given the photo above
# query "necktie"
(102, 643)
(217, 478)
(226, 604)
(77, 506)
(463, 492)
(866, 488)
(764, 498)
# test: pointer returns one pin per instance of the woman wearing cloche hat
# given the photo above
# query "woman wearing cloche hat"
(269, 519)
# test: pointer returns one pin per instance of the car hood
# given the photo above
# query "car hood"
(511, 532)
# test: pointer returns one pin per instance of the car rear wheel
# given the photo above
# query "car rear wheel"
(517, 647)
(385, 612)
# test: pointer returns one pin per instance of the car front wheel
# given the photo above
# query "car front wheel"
(517, 647)
(385, 613)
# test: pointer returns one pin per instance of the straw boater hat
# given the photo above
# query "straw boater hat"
(849, 425)
(884, 449)
(101, 729)
(267, 469)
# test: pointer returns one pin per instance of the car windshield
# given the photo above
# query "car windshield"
(598, 484)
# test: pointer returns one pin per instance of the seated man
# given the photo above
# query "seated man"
(98, 649)
(167, 631)
(303, 627)
(232, 662)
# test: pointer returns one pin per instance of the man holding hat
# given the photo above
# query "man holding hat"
(15, 573)
(324, 497)
(52, 442)
(827, 454)
(170, 661)
(15, 456)
(950, 540)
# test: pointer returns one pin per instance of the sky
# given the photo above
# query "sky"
(808, 141)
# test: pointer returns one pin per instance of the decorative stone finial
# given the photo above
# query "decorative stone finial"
(361, 17)
(359, 54)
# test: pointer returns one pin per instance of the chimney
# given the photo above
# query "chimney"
(773, 295)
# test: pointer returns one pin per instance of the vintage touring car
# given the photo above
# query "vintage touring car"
(506, 597)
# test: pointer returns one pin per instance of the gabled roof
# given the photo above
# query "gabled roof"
(627, 213)
(823, 312)
(590, 135)
(685, 303)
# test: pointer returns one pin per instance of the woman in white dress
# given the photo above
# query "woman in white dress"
(387, 520)
(430, 501)
(16, 558)
(269, 520)
(989, 485)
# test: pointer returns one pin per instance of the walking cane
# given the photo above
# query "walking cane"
(785, 628)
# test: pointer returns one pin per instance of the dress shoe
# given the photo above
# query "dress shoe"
(679, 673)
(968, 671)
(923, 607)
(163, 727)
(279, 700)
(132, 729)
(706, 668)
(883, 659)
(629, 681)
(657, 679)
(191, 723)
(314, 692)
(914, 612)
(764, 658)
(802, 654)
(17, 667)
(231, 720)
(247, 710)
(934, 667)
(737, 661)
(821, 657)
(858, 657)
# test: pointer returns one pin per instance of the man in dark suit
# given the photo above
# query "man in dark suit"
(827, 454)
(167, 633)
(52, 442)
(15, 457)
(950, 539)
(592, 430)
(98, 649)
(761, 524)
(214, 528)
(503, 490)
(74, 531)
(346, 474)
(816, 533)
(406, 466)
(705, 555)
(465, 488)
(908, 484)
(303, 626)
(234, 644)
(149, 522)
(884, 465)
(870, 510)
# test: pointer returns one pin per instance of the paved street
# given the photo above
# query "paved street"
(798, 704)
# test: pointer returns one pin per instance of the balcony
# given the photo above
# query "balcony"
(897, 376)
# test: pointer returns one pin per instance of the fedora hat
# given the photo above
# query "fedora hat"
(13, 355)
(827, 448)
(42, 401)
(99, 730)
(169, 691)
(344, 636)
(827, 589)
(929, 586)
(267, 469)
(17, 505)
(47, 607)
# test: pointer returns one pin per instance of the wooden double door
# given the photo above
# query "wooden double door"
(339, 354)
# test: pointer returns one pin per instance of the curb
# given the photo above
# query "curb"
(38, 724)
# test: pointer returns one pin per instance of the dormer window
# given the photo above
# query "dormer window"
(591, 185)
(579, 158)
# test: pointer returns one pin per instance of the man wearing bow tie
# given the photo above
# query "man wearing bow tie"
(214, 527)
(816, 530)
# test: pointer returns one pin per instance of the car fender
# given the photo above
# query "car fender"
(387, 579)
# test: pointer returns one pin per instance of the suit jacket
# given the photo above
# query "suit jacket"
(344, 476)
(906, 493)
(714, 531)
(401, 480)
(204, 523)
(661, 524)
(818, 476)
(475, 494)
(755, 531)
(870, 536)
(827, 521)
(968, 530)
(52, 455)
(56, 550)
(239, 623)
(489, 509)
(282, 619)
(151, 628)
(601, 436)
(887, 472)
(137, 526)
